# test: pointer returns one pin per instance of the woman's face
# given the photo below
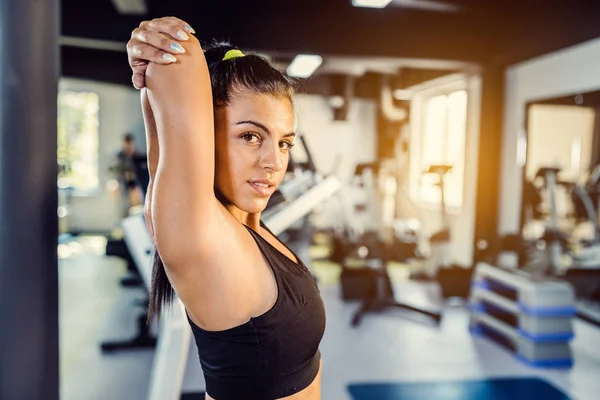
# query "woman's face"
(253, 137)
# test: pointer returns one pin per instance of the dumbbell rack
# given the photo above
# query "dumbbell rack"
(530, 315)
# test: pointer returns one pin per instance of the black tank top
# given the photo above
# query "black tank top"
(275, 354)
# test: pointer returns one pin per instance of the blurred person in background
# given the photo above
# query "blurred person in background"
(126, 167)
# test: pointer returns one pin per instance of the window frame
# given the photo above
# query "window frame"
(422, 93)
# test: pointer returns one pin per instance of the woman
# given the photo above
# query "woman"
(220, 125)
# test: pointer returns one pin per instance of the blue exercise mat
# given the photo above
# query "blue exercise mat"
(487, 389)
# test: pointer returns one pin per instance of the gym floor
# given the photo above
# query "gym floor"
(390, 347)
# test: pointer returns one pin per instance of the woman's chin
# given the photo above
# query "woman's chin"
(255, 206)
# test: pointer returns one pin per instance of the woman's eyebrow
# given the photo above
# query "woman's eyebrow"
(264, 128)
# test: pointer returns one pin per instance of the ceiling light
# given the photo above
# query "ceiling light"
(371, 3)
(337, 101)
(304, 65)
(428, 5)
(131, 7)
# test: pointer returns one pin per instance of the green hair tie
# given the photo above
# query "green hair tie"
(233, 54)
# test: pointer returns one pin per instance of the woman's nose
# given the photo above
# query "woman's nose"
(272, 158)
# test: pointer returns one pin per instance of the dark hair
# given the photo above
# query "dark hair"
(129, 137)
(251, 73)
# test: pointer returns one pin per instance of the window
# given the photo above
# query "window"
(441, 136)
(77, 153)
(560, 136)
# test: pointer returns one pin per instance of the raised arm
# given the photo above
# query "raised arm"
(183, 199)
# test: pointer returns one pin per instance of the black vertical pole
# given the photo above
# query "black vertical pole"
(490, 149)
(29, 69)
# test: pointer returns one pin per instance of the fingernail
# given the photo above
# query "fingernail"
(177, 47)
(169, 57)
(189, 29)
(182, 35)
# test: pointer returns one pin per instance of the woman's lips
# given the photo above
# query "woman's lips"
(263, 189)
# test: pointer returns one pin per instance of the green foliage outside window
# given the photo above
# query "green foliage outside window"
(77, 153)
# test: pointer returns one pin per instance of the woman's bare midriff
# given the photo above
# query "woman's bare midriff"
(312, 392)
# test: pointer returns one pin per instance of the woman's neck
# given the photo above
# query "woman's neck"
(250, 220)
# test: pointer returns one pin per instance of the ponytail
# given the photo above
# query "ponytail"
(161, 291)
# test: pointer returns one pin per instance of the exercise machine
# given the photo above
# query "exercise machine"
(366, 255)
(369, 206)
(453, 279)
(555, 254)
(118, 247)
(137, 251)
(378, 293)
(440, 241)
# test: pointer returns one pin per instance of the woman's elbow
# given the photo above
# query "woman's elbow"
(168, 249)
(174, 248)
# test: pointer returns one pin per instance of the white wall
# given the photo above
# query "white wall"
(352, 141)
(569, 71)
(119, 113)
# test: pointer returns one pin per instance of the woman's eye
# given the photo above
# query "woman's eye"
(287, 145)
(250, 136)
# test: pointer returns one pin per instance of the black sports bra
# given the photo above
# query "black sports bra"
(275, 354)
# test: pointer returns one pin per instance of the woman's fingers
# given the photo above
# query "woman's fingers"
(141, 53)
(181, 23)
(157, 40)
(171, 26)
(138, 80)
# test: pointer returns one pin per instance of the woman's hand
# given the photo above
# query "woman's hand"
(182, 89)
(155, 41)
